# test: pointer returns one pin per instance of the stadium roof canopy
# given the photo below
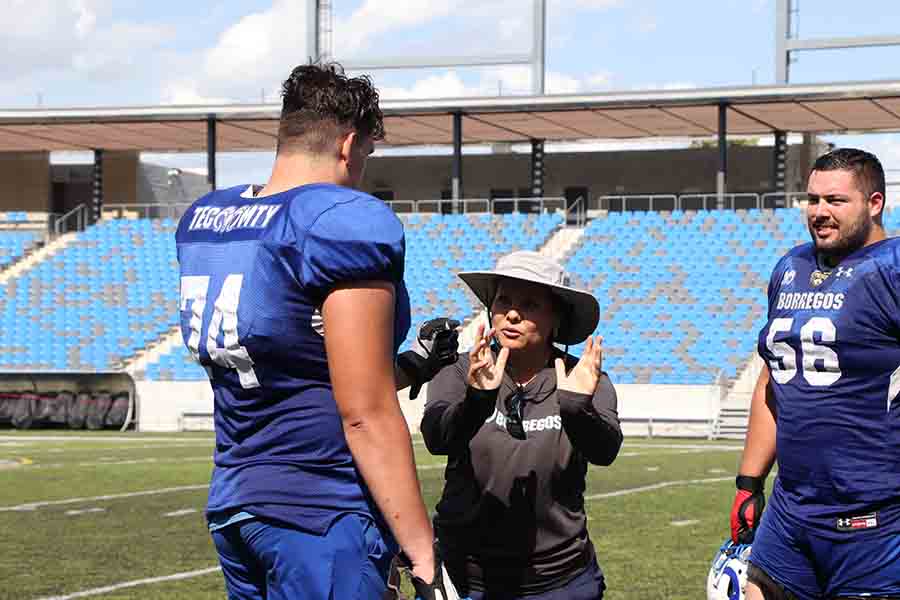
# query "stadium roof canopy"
(832, 107)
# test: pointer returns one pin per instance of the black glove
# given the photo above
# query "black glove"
(440, 588)
(747, 509)
(434, 348)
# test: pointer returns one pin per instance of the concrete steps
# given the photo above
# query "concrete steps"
(561, 243)
(137, 364)
(734, 412)
(34, 258)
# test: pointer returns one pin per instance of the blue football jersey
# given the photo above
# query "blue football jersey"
(254, 274)
(832, 345)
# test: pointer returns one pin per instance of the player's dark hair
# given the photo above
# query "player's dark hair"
(865, 166)
(320, 104)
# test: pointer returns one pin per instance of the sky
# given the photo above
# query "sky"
(65, 53)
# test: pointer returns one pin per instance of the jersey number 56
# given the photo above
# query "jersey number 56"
(784, 368)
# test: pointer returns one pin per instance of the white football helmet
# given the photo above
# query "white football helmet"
(727, 579)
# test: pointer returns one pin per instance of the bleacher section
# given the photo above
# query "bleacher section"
(175, 365)
(107, 295)
(437, 246)
(682, 294)
(14, 244)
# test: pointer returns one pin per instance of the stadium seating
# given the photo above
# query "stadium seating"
(175, 365)
(682, 294)
(14, 244)
(437, 247)
(107, 295)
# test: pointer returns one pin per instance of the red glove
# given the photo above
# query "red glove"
(747, 509)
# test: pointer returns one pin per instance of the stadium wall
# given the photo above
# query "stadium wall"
(120, 177)
(25, 181)
(674, 171)
(645, 410)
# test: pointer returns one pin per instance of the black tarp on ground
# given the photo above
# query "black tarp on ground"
(118, 411)
(78, 411)
(24, 410)
(7, 406)
(51, 408)
(96, 414)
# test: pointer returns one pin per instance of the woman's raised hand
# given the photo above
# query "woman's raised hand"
(583, 378)
(485, 373)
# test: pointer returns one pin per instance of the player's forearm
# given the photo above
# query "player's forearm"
(382, 450)
(759, 447)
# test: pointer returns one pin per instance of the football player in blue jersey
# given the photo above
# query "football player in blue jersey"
(292, 297)
(825, 405)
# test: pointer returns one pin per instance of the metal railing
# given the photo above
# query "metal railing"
(783, 199)
(696, 201)
(144, 211)
(74, 220)
(479, 205)
(711, 201)
(576, 213)
(634, 202)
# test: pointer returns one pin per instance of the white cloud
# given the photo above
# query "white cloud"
(376, 17)
(71, 37)
(501, 81)
(87, 18)
(591, 4)
(112, 53)
(447, 85)
(249, 60)
(513, 27)
(558, 83)
(598, 81)
(666, 86)
(183, 92)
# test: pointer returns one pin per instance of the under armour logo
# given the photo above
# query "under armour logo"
(788, 278)
(844, 272)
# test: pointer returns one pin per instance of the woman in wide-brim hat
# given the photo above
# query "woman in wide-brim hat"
(520, 420)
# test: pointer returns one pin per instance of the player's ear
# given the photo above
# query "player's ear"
(346, 145)
(876, 206)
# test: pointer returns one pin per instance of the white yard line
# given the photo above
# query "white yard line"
(684, 523)
(112, 462)
(628, 444)
(656, 486)
(98, 439)
(117, 448)
(181, 513)
(96, 509)
(42, 503)
(135, 583)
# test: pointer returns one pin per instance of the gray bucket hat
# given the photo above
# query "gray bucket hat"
(583, 310)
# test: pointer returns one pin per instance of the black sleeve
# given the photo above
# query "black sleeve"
(453, 411)
(592, 422)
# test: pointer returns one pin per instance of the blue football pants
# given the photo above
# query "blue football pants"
(269, 560)
(813, 567)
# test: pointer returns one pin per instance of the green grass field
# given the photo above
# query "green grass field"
(68, 527)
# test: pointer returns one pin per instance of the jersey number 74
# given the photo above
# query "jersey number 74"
(233, 355)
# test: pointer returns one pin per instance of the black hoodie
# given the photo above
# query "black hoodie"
(511, 516)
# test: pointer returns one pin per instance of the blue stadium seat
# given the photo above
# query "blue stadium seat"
(682, 294)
